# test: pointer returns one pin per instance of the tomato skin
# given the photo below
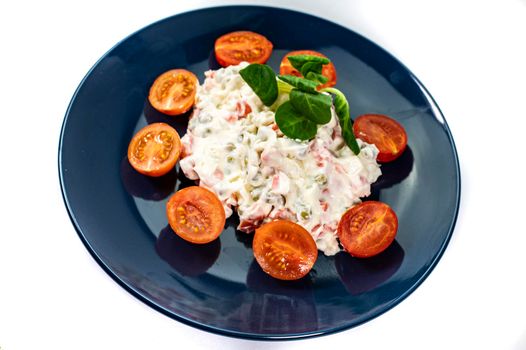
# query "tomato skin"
(367, 229)
(385, 133)
(284, 249)
(196, 214)
(328, 70)
(173, 92)
(236, 47)
(154, 150)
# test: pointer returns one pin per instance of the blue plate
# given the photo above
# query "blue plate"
(120, 214)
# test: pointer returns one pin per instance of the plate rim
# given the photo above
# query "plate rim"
(239, 334)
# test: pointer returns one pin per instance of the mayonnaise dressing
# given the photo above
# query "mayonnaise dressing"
(234, 148)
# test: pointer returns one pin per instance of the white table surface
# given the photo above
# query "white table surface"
(471, 55)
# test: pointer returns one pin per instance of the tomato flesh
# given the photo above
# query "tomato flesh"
(367, 229)
(284, 250)
(196, 214)
(328, 70)
(385, 133)
(173, 92)
(236, 47)
(154, 149)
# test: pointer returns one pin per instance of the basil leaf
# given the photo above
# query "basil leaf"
(348, 136)
(342, 110)
(314, 106)
(262, 80)
(317, 77)
(314, 67)
(297, 61)
(293, 124)
(299, 83)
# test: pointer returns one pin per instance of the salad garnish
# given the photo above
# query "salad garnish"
(306, 108)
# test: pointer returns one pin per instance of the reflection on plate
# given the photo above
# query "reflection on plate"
(120, 215)
(186, 258)
(362, 275)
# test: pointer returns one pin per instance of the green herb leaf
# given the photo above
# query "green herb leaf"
(348, 136)
(314, 106)
(262, 80)
(317, 77)
(299, 83)
(284, 88)
(342, 110)
(311, 67)
(297, 61)
(293, 124)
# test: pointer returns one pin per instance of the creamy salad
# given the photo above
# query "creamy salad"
(234, 148)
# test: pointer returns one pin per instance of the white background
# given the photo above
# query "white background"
(471, 55)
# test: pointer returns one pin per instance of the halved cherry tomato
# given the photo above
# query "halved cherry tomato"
(196, 214)
(236, 47)
(385, 133)
(367, 229)
(327, 70)
(155, 149)
(284, 250)
(173, 92)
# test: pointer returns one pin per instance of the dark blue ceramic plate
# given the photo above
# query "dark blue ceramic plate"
(120, 215)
